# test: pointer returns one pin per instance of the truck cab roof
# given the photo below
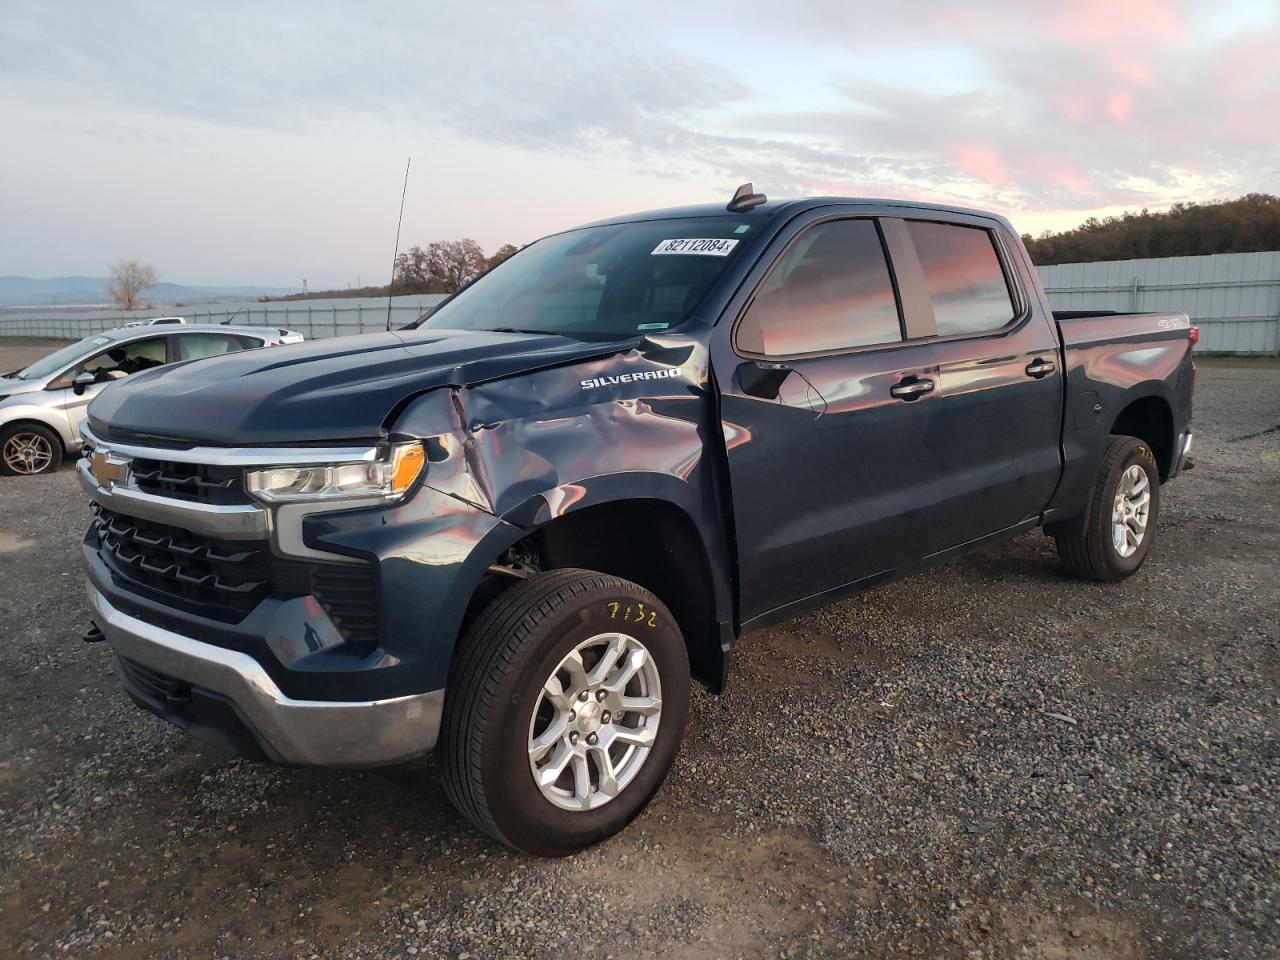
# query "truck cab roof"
(785, 209)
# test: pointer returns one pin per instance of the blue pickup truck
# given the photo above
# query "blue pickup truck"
(513, 535)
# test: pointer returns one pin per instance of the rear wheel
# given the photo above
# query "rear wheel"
(1122, 515)
(566, 706)
(29, 448)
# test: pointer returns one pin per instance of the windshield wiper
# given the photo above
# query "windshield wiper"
(539, 333)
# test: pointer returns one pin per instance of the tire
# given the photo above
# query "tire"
(496, 704)
(29, 448)
(1096, 555)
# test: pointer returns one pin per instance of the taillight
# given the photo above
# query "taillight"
(1195, 338)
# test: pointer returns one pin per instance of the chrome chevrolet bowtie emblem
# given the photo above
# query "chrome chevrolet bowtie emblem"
(108, 469)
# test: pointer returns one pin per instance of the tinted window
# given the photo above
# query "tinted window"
(193, 346)
(830, 291)
(962, 273)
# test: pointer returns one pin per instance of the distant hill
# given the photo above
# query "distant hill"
(80, 291)
(1245, 225)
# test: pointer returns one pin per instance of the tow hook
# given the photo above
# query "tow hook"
(93, 634)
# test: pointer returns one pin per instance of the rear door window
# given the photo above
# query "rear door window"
(194, 346)
(963, 275)
(830, 291)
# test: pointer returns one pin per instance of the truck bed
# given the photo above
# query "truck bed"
(1082, 328)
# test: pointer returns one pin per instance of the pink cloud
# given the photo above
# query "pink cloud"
(1072, 107)
(1245, 79)
(981, 162)
(1073, 180)
(1119, 107)
(1134, 71)
(1104, 23)
(1051, 169)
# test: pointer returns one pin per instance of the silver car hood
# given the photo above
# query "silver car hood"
(11, 385)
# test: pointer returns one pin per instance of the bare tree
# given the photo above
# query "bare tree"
(455, 262)
(443, 266)
(128, 279)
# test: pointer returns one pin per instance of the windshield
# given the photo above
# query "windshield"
(60, 358)
(600, 283)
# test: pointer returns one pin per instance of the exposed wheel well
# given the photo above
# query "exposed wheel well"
(1150, 420)
(649, 542)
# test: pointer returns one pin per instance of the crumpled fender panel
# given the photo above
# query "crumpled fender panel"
(636, 425)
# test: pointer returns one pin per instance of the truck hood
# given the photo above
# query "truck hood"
(341, 389)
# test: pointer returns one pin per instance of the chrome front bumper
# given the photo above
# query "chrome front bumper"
(304, 732)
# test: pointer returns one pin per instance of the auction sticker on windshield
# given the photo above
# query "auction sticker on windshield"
(702, 248)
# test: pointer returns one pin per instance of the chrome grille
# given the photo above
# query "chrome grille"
(200, 482)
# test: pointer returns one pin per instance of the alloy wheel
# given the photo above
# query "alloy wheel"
(1130, 511)
(27, 453)
(595, 721)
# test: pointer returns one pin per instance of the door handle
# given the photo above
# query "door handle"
(1040, 369)
(911, 388)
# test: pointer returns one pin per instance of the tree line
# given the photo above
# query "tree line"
(442, 266)
(1245, 225)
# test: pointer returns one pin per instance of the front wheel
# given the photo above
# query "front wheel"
(1123, 510)
(565, 708)
(29, 448)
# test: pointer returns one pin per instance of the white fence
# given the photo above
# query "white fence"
(312, 318)
(1234, 298)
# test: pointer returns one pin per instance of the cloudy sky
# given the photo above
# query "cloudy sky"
(242, 142)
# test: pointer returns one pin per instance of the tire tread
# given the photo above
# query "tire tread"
(1085, 556)
(485, 657)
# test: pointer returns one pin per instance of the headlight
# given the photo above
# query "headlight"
(383, 479)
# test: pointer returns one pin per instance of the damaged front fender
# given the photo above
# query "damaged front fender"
(639, 425)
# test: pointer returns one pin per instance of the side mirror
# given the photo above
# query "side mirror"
(82, 380)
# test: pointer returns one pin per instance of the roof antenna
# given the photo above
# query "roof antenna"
(396, 256)
(744, 198)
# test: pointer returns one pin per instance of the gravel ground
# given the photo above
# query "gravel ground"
(984, 760)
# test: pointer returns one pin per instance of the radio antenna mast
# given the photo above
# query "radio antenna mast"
(396, 256)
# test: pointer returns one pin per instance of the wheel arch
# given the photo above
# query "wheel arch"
(37, 422)
(640, 528)
(1144, 410)
(1148, 415)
